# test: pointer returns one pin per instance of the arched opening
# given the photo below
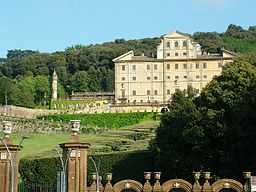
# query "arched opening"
(164, 110)
(227, 185)
(227, 190)
(128, 186)
(128, 190)
(177, 190)
(177, 185)
(184, 43)
(176, 44)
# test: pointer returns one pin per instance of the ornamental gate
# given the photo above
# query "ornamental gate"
(173, 185)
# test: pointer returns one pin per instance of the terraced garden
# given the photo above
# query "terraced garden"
(127, 138)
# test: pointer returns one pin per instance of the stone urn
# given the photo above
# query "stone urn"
(75, 126)
(147, 175)
(157, 176)
(109, 177)
(7, 128)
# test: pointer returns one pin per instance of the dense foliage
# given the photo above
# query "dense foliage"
(214, 132)
(235, 38)
(90, 68)
(108, 120)
(122, 165)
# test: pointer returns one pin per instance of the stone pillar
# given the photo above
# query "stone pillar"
(8, 161)
(157, 187)
(54, 86)
(247, 176)
(75, 153)
(197, 187)
(207, 186)
(147, 187)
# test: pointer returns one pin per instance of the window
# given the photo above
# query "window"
(155, 92)
(134, 92)
(197, 76)
(168, 77)
(185, 66)
(63, 105)
(123, 94)
(123, 78)
(184, 43)
(3, 155)
(168, 66)
(168, 54)
(197, 91)
(197, 65)
(148, 92)
(176, 77)
(176, 66)
(176, 90)
(176, 54)
(168, 91)
(148, 67)
(123, 67)
(155, 77)
(205, 76)
(184, 53)
(168, 44)
(220, 65)
(148, 78)
(204, 65)
(185, 76)
(134, 78)
(155, 67)
(133, 67)
(176, 44)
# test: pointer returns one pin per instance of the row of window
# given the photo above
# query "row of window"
(176, 54)
(155, 92)
(167, 77)
(176, 66)
(176, 44)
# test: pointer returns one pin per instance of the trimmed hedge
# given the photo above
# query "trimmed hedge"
(109, 120)
(122, 165)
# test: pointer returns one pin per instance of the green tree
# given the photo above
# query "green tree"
(94, 79)
(179, 139)
(42, 90)
(26, 92)
(7, 89)
(61, 93)
(79, 81)
(210, 41)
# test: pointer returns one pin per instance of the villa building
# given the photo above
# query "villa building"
(179, 63)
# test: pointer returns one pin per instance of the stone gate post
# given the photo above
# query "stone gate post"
(8, 161)
(75, 154)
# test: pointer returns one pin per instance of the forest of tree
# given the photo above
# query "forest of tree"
(90, 68)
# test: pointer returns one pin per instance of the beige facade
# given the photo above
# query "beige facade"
(179, 63)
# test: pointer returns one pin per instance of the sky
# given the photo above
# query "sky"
(53, 25)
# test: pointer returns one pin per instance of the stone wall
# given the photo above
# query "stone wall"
(15, 111)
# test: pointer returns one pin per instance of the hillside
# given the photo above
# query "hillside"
(26, 74)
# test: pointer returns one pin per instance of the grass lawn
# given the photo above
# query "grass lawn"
(128, 138)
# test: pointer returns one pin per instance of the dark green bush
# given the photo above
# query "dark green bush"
(122, 165)
(103, 120)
